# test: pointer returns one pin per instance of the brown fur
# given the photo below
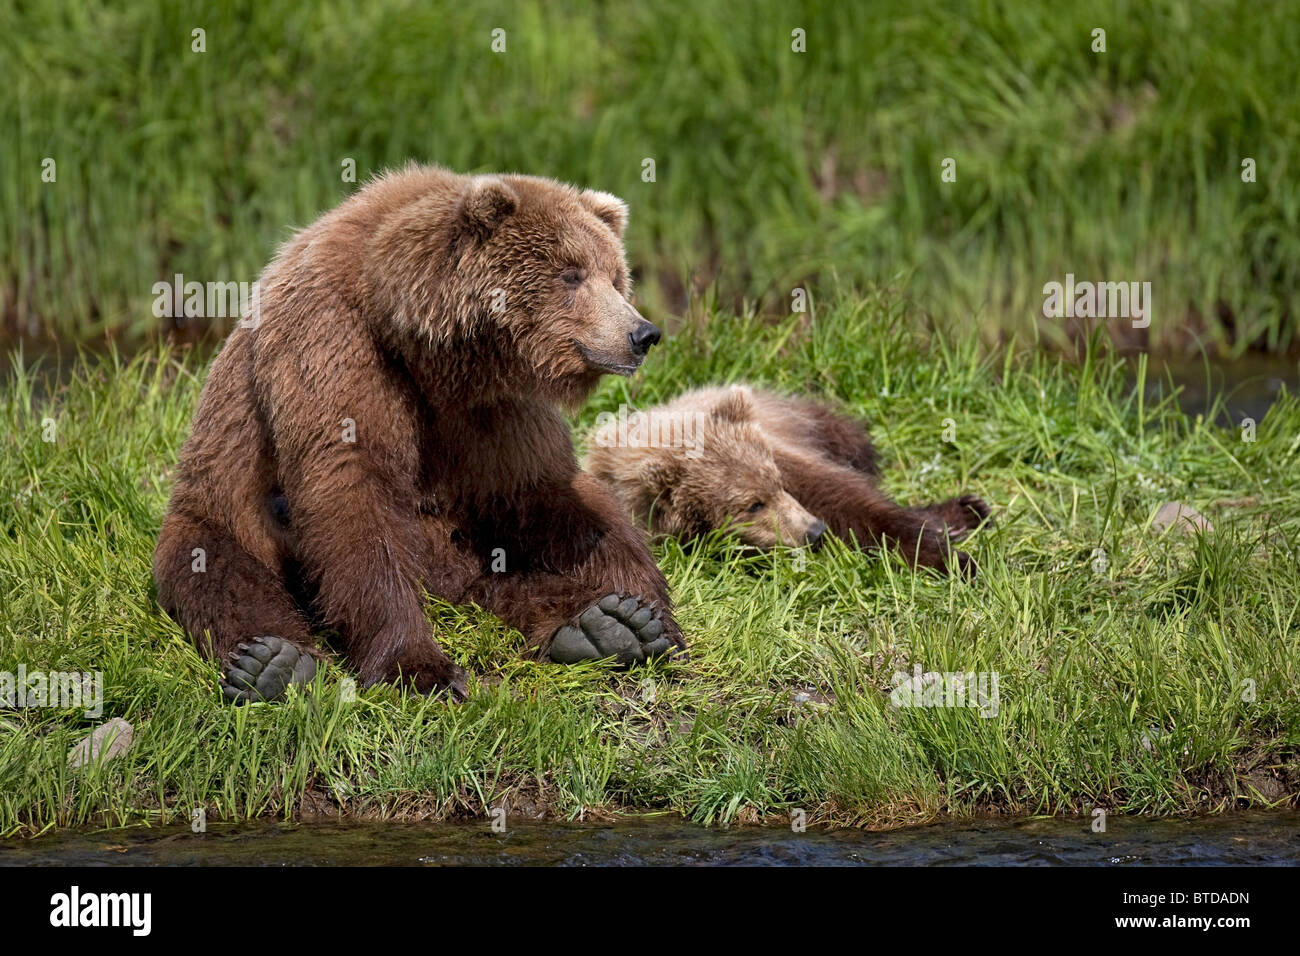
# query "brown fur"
(385, 312)
(773, 468)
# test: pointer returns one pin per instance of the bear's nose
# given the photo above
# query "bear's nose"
(643, 336)
(814, 532)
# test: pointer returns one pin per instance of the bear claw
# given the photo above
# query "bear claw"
(264, 668)
(618, 626)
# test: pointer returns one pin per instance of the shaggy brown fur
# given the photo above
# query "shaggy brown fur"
(778, 470)
(439, 320)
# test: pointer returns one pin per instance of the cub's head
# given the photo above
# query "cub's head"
(712, 468)
(534, 274)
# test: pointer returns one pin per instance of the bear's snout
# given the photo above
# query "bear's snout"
(643, 337)
(619, 338)
(814, 532)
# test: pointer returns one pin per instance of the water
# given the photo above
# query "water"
(1248, 385)
(1244, 838)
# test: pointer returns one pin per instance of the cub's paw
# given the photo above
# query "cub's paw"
(615, 626)
(958, 516)
(263, 668)
(975, 510)
(934, 550)
(964, 565)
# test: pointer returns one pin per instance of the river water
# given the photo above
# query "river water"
(1247, 385)
(1270, 838)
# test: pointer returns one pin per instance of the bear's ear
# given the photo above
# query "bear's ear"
(735, 406)
(488, 202)
(606, 207)
(660, 475)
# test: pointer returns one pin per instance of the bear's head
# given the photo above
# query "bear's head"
(526, 275)
(718, 471)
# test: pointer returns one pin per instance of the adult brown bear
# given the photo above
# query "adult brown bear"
(388, 422)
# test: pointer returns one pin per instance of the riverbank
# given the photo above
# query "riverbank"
(1122, 666)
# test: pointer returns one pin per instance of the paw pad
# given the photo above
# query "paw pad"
(263, 669)
(616, 626)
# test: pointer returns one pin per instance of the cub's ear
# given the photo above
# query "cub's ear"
(488, 202)
(735, 407)
(606, 207)
(659, 477)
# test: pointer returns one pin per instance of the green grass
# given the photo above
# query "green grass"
(774, 169)
(1154, 648)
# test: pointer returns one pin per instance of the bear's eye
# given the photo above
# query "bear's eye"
(574, 276)
(756, 507)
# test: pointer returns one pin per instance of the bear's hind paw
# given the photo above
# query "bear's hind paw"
(616, 626)
(957, 517)
(264, 668)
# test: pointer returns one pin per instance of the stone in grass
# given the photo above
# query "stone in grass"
(811, 699)
(109, 740)
(1180, 517)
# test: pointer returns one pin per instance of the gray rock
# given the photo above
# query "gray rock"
(1182, 518)
(109, 740)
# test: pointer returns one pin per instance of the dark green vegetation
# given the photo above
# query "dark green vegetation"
(1125, 685)
(773, 169)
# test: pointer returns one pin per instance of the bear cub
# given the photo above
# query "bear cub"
(778, 470)
(389, 423)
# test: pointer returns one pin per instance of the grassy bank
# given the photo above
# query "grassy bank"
(772, 168)
(1121, 684)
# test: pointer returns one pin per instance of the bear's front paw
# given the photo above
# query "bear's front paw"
(615, 626)
(439, 677)
(264, 668)
(975, 509)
